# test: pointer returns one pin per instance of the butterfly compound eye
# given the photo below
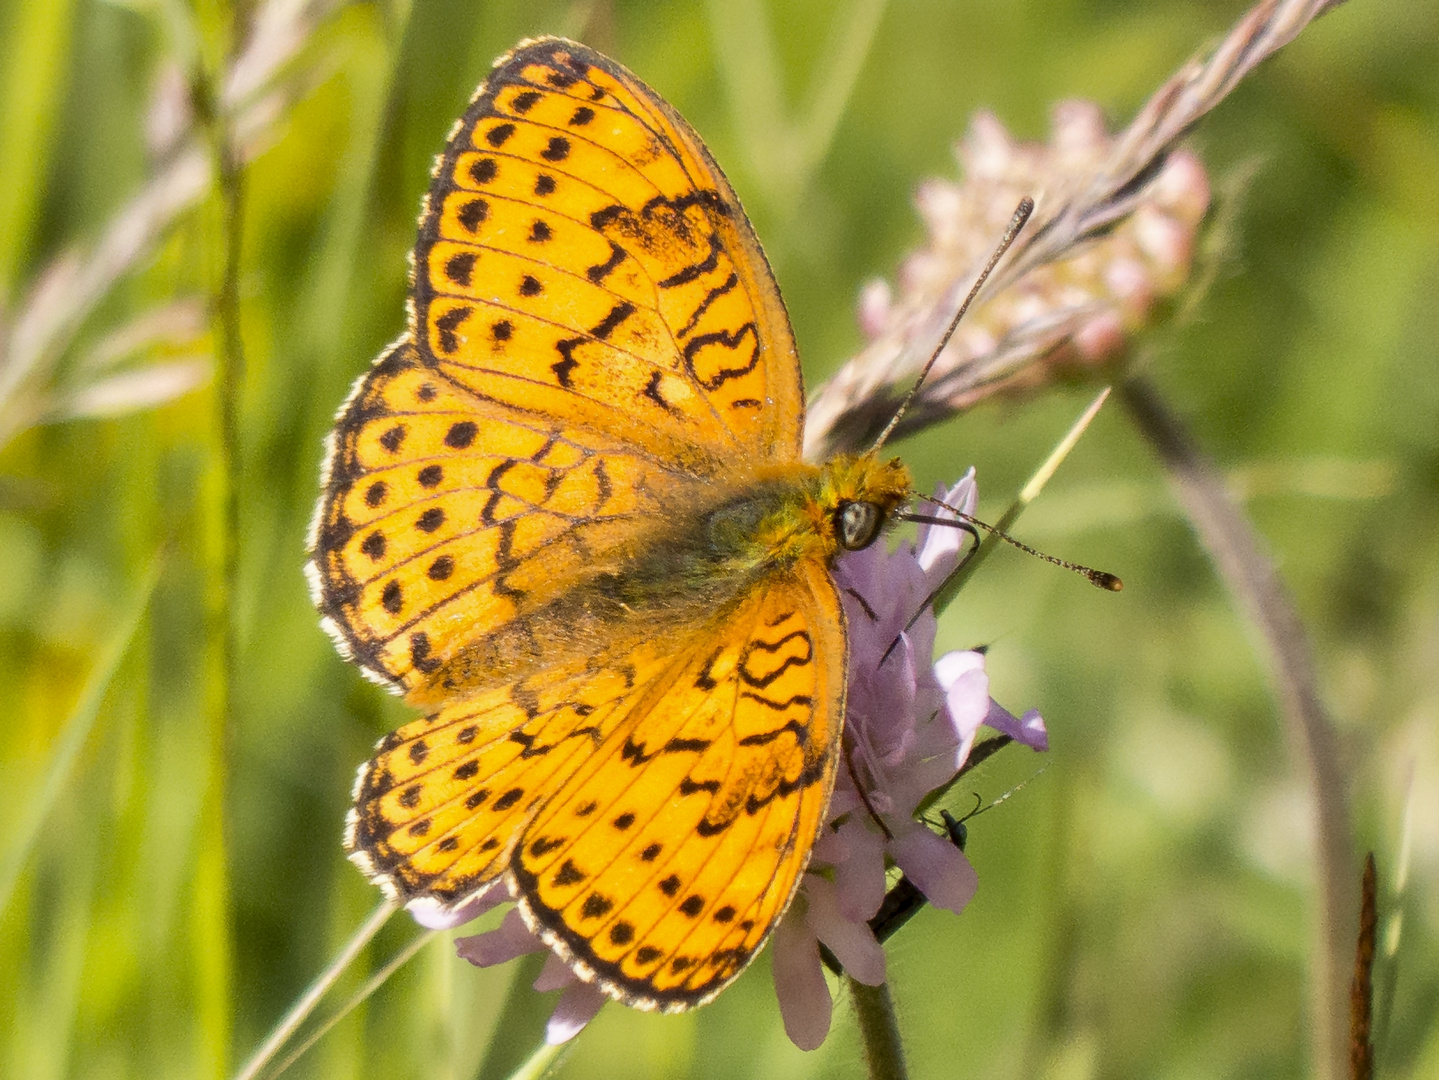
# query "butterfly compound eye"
(857, 524)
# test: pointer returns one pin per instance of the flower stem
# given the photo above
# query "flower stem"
(1255, 584)
(213, 905)
(879, 1029)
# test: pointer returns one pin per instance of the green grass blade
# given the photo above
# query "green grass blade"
(73, 734)
(1027, 494)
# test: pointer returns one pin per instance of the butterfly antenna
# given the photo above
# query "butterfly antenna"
(1021, 215)
(1099, 578)
(982, 809)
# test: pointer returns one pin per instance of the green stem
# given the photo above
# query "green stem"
(950, 587)
(355, 1000)
(212, 905)
(879, 1029)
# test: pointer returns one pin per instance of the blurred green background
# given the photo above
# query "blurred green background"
(171, 883)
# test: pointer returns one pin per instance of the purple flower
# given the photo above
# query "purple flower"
(909, 727)
(580, 1001)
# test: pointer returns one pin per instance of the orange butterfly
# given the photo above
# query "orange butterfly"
(566, 513)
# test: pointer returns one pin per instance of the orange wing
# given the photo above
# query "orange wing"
(439, 807)
(597, 348)
(582, 256)
(663, 863)
(447, 518)
(596, 332)
(656, 820)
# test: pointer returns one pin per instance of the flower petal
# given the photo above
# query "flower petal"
(851, 941)
(500, 945)
(965, 683)
(859, 876)
(429, 914)
(578, 1006)
(804, 1001)
(936, 866)
(1028, 729)
(938, 545)
(555, 974)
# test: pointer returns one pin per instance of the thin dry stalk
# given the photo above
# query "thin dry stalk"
(1080, 201)
(257, 90)
(1361, 990)
(1250, 576)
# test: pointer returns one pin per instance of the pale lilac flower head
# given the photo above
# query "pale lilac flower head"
(1094, 268)
(909, 727)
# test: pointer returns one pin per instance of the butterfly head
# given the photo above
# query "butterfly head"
(858, 494)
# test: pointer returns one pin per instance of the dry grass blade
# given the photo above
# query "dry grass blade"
(1169, 114)
(1252, 579)
(257, 90)
(1089, 187)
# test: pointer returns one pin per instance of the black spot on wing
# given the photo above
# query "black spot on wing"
(652, 392)
(564, 366)
(461, 434)
(727, 340)
(618, 314)
(448, 323)
(695, 270)
(460, 268)
(599, 272)
(760, 681)
(484, 170)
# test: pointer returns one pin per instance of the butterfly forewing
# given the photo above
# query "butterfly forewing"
(582, 256)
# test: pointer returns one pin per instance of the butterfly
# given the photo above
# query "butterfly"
(566, 515)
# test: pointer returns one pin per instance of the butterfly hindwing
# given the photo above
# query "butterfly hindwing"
(662, 864)
(440, 805)
(656, 819)
(444, 518)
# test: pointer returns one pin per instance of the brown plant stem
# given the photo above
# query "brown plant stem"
(879, 1030)
(1361, 990)
(1251, 578)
